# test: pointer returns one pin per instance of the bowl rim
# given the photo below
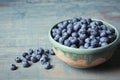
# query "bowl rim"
(78, 50)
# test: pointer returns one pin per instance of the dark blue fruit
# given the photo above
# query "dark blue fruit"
(67, 42)
(104, 43)
(27, 57)
(13, 67)
(87, 40)
(61, 40)
(73, 40)
(75, 34)
(47, 66)
(86, 45)
(103, 33)
(24, 54)
(82, 36)
(30, 51)
(34, 59)
(18, 60)
(51, 52)
(25, 64)
(104, 39)
(76, 27)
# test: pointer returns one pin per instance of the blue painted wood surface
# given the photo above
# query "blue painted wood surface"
(25, 24)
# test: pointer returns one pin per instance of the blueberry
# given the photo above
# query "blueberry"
(94, 32)
(94, 42)
(87, 40)
(99, 23)
(89, 20)
(74, 20)
(104, 27)
(38, 57)
(53, 34)
(70, 26)
(92, 24)
(73, 40)
(89, 30)
(73, 46)
(24, 54)
(111, 38)
(65, 23)
(74, 34)
(83, 21)
(104, 39)
(25, 64)
(60, 25)
(58, 32)
(47, 66)
(84, 26)
(28, 57)
(112, 30)
(65, 35)
(34, 59)
(82, 31)
(108, 32)
(69, 31)
(30, 51)
(43, 60)
(67, 42)
(64, 30)
(18, 60)
(86, 45)
(61, 40)
(82, 36)
(104, 43)
(92, 37)
(56, 38)
(76, 27)
(13, 67)
(51, 52)
(103, 33)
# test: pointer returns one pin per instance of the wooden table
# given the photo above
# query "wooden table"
(25, 24)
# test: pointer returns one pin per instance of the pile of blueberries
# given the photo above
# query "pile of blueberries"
(32, 56)
(83, 33)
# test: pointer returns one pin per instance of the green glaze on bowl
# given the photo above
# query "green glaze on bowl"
(73, 56)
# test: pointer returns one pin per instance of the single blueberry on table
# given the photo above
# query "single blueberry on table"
(25, 64)
(34, 59)
(47, 66)
(44, 59)
(28, 57)
(51, 52)
(24, 54)
(18, 60)
(13, 67)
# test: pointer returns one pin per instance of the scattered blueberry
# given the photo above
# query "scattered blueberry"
(24, 54)
(25, 64)
(34, 59)
(47, 66)
(13, 67)
(51, 52)
(18, 60)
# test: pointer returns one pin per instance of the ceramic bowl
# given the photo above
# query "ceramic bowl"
(85, 58)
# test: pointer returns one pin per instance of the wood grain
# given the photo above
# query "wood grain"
(25, 24)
